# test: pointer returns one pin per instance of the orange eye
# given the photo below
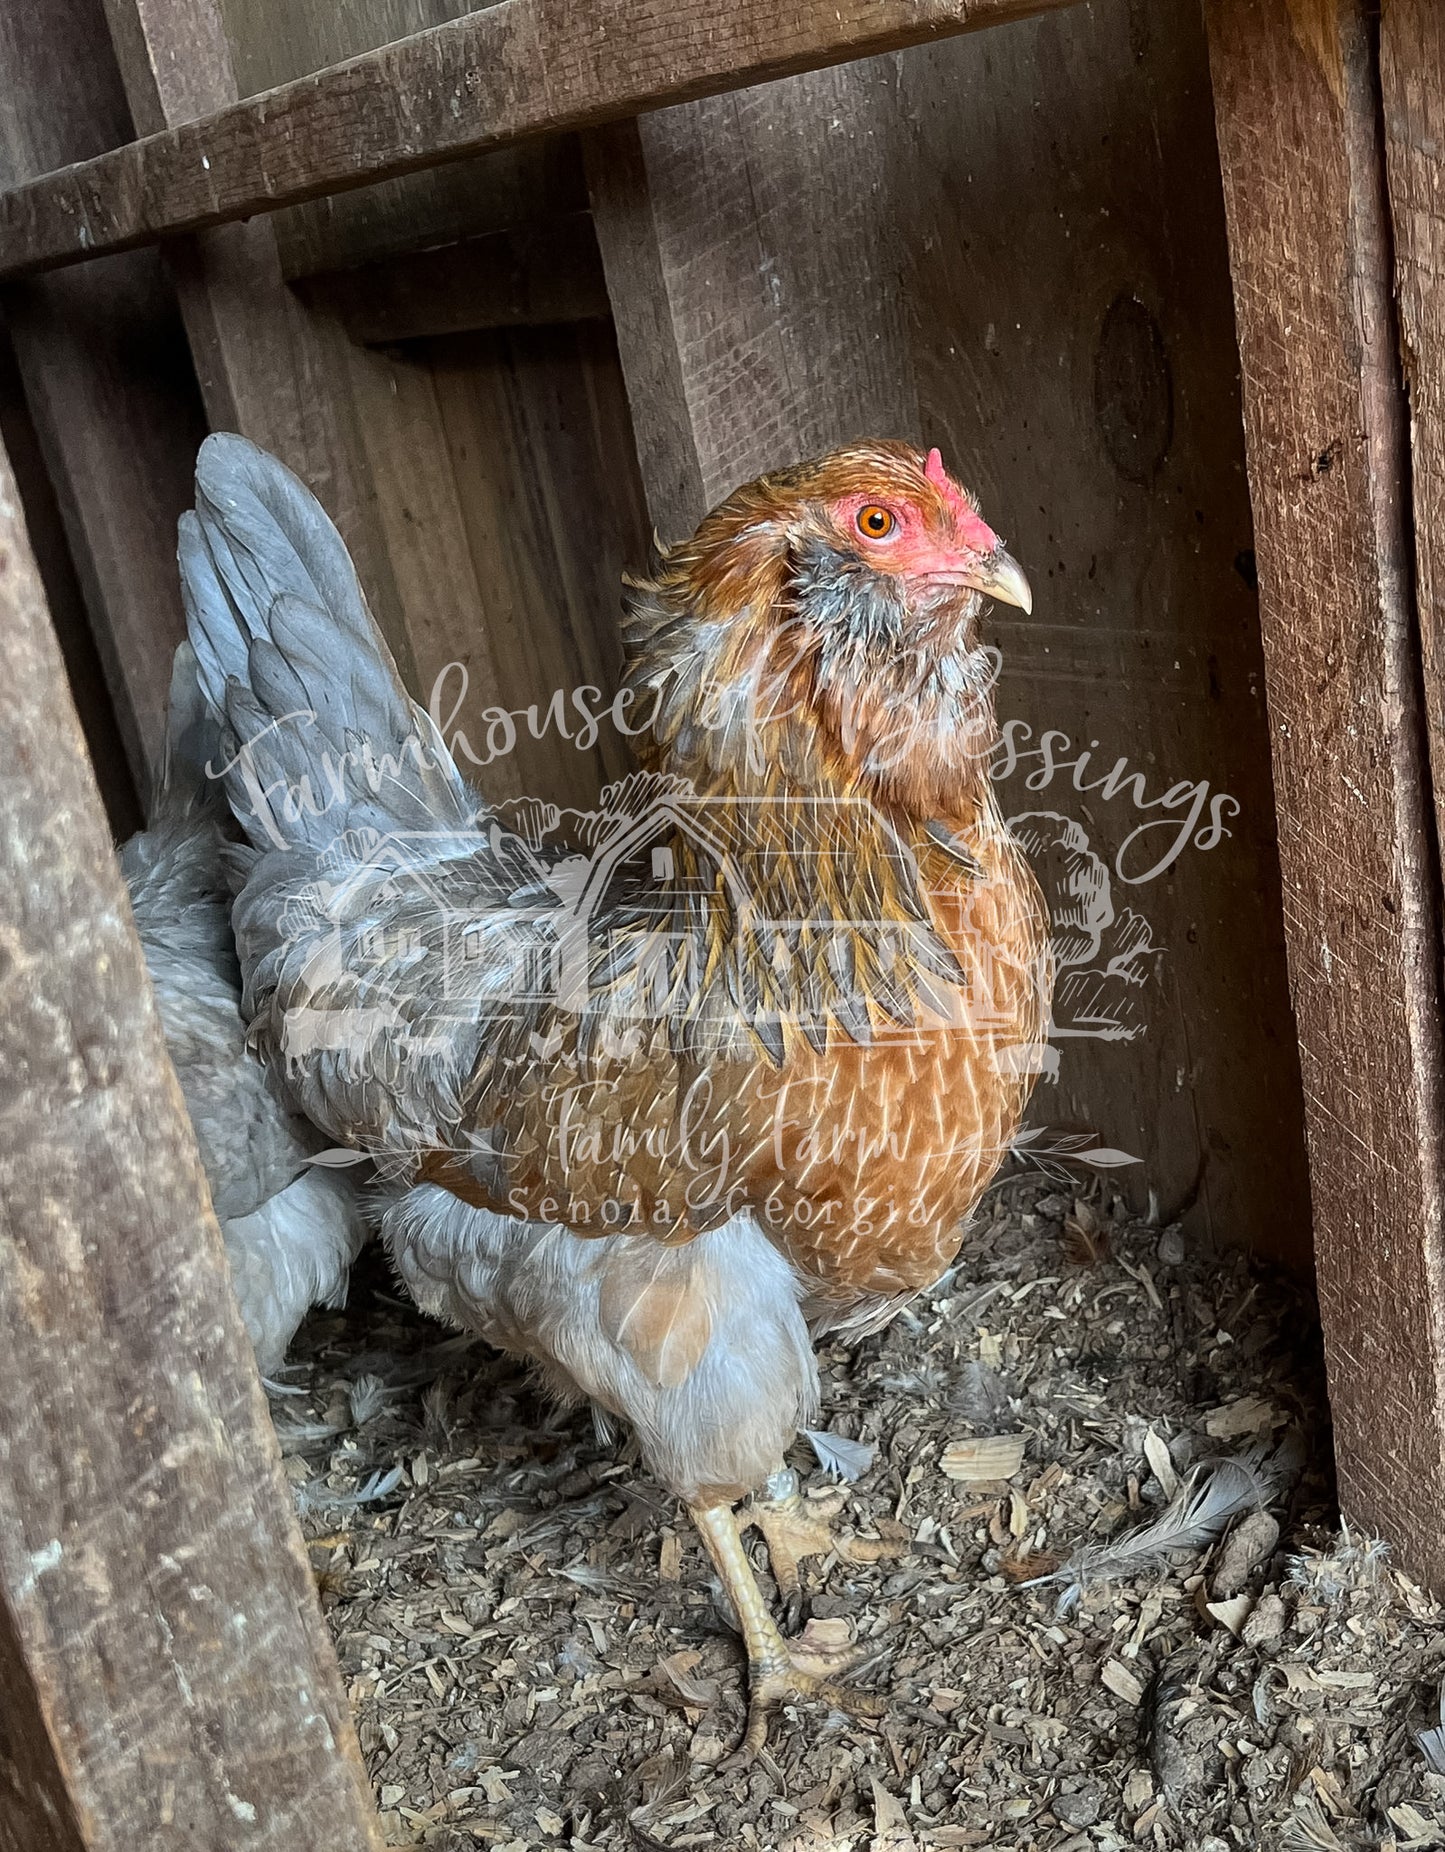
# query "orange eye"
(876, 521)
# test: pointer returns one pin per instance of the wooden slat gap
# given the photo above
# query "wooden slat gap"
(533, 276)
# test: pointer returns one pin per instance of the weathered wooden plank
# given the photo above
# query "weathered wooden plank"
(273, 41)
(367, 430)
(266, 366)
(68, 614)
(167, 1677)
(1301, 141)
(897, 247)
(105, 372)
(483, 573)
(636, 268)
(110, 389)
(1412, 82)
(534, 423)
(533, 275)
(758, 204)
(519, 68)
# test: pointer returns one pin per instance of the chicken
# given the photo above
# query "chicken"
(656, 1109)
(291, 1230)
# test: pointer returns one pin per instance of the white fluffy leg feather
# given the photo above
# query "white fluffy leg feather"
(702, 1347)
(292, 1253)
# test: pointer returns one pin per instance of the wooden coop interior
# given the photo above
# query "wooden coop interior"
(511, 289)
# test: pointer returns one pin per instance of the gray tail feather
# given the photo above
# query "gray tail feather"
(291, 660)
(193, 740)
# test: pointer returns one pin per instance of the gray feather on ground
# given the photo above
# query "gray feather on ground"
(1432, 1741)
(1215, 1493)
(845, 1459)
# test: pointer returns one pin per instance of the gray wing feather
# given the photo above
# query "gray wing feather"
(290, 1239)
(367, 838)
(291, 658)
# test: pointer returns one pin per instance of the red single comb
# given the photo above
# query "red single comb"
(972, 528)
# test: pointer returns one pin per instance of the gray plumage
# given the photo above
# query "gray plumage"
(371, 862)
(1432, 1738)
(845, 1459)
(291, 1231)
(1210, 1499)
(359, 819)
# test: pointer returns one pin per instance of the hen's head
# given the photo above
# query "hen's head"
(825, 619)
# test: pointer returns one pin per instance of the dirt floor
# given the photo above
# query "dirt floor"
(537, 1657)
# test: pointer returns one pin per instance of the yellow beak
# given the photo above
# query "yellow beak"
(999, 575)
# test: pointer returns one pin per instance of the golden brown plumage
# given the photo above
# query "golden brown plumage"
(772, 1081)
(862, 1158)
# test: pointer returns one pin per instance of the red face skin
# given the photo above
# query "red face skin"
(942, 546)
(933, 539)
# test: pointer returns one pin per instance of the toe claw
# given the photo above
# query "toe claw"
(795, 1528)
(772, 1689)
(811, 1663)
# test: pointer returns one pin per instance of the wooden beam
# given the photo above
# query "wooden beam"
(636, 259)
(1412, 81)
(726, 228)
(267, 366)
(271, 45)
(519, 68)
(1302, 145)
(68, 616)
(512, 597)
(166, 1673)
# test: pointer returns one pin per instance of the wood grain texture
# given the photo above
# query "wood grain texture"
(899, 248)
(637, 267)
(516, 69)
(107, 380)
(274, 41)
(530, 276)
(1412, 82)
(509, 493)
(266, 366)
(521, 603)
(68, 614)
(760, 201)
(1301, 140)
(167, 1677)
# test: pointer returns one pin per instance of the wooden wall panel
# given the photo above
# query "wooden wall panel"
(531, 276)
(519, 602)
(166, 1676)
(273, 41)
(1412, 81)
(1298, 105)
(1040, 288)
(508, 492)
(267, 367)
(107, 378)
(73, 631)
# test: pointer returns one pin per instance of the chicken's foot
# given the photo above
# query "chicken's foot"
(778, 1669)
(795, 1527)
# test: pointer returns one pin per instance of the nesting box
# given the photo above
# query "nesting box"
(513, 289)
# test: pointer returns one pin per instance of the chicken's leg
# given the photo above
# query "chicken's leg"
(795, 1527)
(777, 1668)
